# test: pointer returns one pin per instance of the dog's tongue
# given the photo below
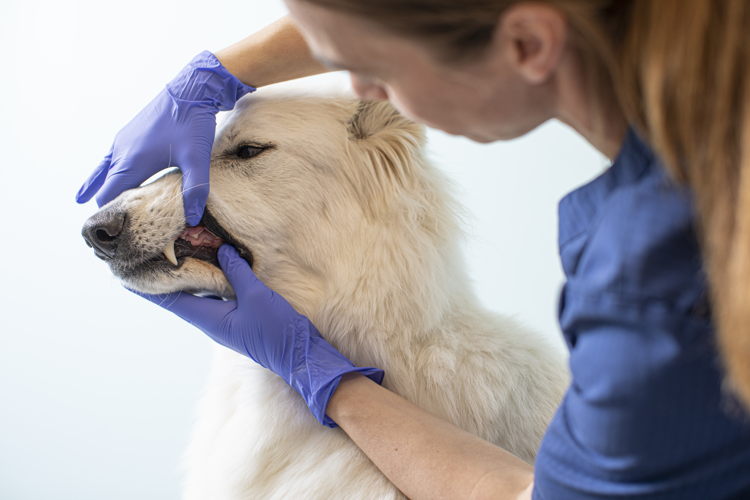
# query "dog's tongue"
(199, 236)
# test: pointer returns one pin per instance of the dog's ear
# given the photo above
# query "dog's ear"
(374, 117)
(387, 168)
(391, 144)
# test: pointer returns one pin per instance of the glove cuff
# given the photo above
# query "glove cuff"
(321, 369)
(206, 80)
(324, 395)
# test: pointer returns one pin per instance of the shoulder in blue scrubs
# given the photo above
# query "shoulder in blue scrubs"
(645, 416)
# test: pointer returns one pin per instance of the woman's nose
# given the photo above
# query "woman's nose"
(366, 88)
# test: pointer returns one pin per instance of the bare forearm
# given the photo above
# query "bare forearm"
(276, 53)
(424, 456)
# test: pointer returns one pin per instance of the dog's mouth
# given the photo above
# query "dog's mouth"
(202, 242)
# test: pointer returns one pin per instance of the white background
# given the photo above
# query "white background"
(98, 385)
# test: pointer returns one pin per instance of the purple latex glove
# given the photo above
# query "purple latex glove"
(175, 129)
(262, 325)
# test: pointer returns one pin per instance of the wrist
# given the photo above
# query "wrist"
(373, 376)
(205, 80)
(318, 377)
(345, 402)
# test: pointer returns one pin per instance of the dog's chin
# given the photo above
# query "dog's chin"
(193, 275)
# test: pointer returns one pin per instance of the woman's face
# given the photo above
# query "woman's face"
(497, 97)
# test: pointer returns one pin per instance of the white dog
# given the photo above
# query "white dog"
(333, 203)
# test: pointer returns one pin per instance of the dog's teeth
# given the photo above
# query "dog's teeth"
(169, 253)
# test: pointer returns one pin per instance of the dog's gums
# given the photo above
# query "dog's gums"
(193, 241)
(209, 223)
(203, 242)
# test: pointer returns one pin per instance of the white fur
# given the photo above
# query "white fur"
(347, 221)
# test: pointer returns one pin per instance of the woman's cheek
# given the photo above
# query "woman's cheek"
(408, 108)
(421, 111)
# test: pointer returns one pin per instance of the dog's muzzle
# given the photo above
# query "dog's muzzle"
(109, 233)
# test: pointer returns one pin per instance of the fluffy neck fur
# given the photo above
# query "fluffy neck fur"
(409, 283)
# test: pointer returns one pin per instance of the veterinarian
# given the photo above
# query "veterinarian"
(660, 361)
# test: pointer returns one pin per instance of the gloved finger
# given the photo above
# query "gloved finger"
(95, 180)
(238, 272)
(204, 313)
(119, 180)
(195, 185)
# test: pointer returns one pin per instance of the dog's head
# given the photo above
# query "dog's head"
(315, 192)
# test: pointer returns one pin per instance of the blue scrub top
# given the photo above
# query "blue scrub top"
(645, 416)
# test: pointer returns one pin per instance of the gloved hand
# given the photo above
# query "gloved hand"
(262, 325)
(175, 129)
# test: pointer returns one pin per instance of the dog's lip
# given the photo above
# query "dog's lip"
(209, 222)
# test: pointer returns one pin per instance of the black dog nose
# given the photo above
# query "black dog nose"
(101, 232)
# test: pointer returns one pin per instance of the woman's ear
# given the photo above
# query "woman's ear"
(531, 38)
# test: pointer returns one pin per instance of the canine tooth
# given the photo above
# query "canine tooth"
(169, 253)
